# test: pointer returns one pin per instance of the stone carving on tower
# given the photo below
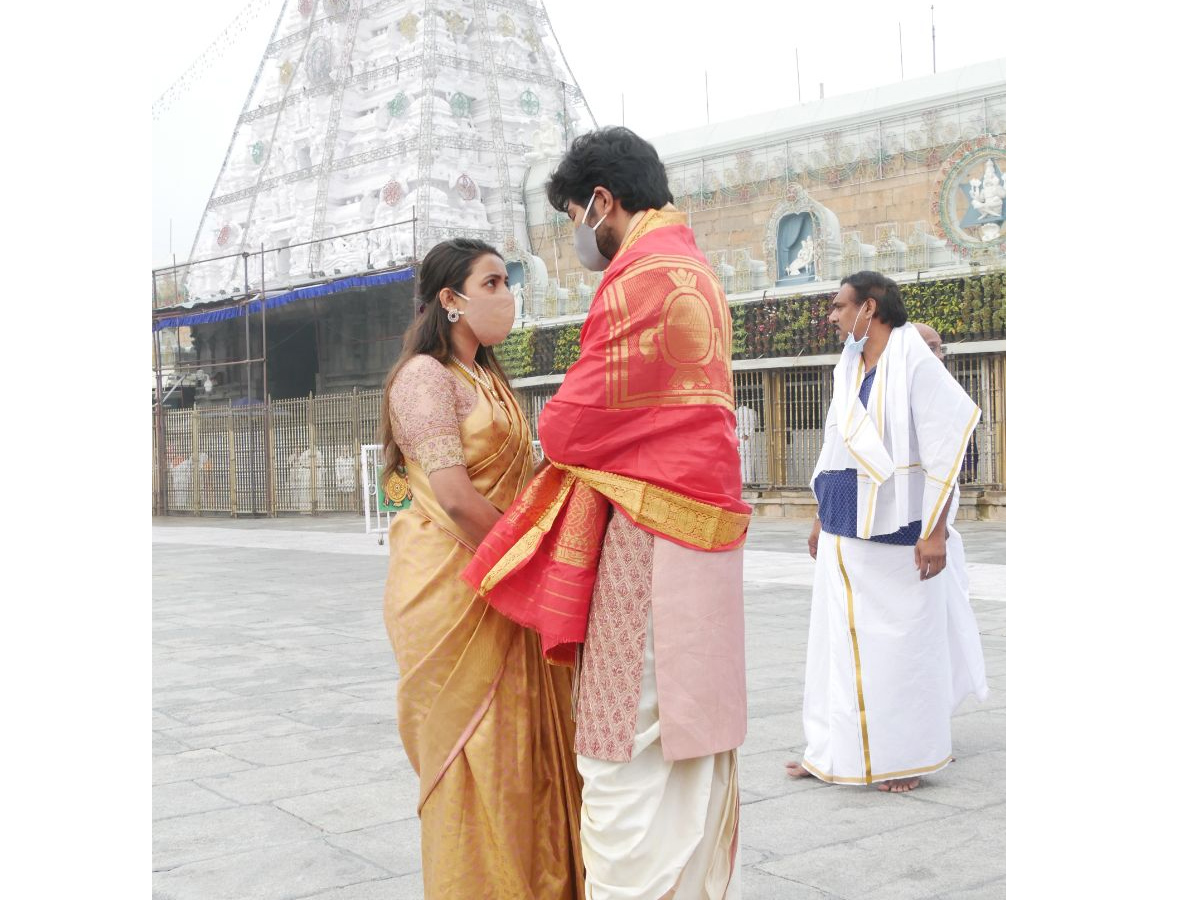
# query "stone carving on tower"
(378, 129)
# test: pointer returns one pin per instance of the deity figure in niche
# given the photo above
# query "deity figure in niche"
(804, 257)
(987, 194)
(795, 249)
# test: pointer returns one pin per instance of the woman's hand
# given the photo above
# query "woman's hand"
(470, 510)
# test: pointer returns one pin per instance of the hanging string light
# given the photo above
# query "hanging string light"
(212, 53)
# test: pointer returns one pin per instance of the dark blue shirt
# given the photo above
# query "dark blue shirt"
(837, 497)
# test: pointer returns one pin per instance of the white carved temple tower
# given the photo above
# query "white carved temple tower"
(378, 129)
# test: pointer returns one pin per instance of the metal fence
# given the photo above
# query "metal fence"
(780, 420)
(290, 456)
(983, 377)
(533, 400)
(303, 456)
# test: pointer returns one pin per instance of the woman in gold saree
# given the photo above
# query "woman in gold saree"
(486, 722)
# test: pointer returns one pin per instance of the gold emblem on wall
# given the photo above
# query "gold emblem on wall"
(686, 335)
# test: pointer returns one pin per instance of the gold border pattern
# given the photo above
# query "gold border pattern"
(693, 522)
(622, 322)
(947, 484)
(862, 706)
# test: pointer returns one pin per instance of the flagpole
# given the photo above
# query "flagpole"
(933, 33)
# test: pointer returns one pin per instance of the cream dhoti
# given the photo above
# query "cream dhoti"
(889, 659)
(660, 807)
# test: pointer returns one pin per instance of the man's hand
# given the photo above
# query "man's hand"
(812, 538)
(930, 554)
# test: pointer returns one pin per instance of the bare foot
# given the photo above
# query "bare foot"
(898, 785)
(795, 770)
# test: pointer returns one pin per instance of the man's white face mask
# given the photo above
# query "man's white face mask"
(586, 247)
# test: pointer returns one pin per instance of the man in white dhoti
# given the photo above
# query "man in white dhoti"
(893, 645)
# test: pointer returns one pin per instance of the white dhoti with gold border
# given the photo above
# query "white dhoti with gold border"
(890, 657)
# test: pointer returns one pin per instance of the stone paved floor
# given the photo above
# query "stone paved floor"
(278, 772)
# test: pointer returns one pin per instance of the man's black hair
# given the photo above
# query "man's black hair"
(885, 292)
(614, 158)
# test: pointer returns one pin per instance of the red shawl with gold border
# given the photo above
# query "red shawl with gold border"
(643, 422)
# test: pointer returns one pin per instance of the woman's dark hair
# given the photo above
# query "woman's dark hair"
(617, 159)
(885, 292)
(447, 265)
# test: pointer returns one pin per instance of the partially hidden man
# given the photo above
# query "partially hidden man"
(625, 550)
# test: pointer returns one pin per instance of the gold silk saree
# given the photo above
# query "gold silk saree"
(485, 720)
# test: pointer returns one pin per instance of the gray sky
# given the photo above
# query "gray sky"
(748, 50)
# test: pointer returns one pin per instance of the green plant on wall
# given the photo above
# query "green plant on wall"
(939, 304)
(822, 336)
(516, 353)
(738, 315)
(960, 309)
(794, 330)
(566, 348)
(994, 296)
(975, 324)
(993, 301)
(785, 327)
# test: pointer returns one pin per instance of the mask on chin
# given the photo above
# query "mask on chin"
(853, 344)
(586, 247)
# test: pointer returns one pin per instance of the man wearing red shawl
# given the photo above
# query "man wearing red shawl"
(624, 552)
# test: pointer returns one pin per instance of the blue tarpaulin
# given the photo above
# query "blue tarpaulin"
(256, 306)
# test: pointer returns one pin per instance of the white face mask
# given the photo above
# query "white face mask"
(490, 320)
(853, 344)
(586, 247)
